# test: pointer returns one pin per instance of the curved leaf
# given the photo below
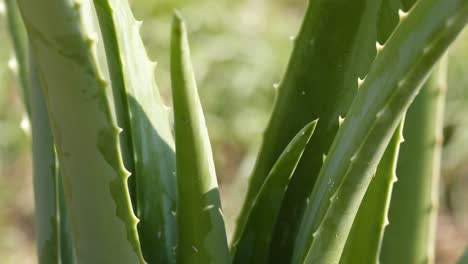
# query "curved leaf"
(385, 95)
(365, 239)
(410, 237)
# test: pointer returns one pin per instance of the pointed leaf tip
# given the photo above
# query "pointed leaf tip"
(255, 236)
(178, 24)
(196, 178)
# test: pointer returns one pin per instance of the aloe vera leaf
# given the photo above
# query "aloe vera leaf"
(141, 112)
(20, 45)
(388, 19)
(254, 243)
(53, 238)
(201, 232)
(45, 176)
(365, 239)
(408, 4)
(84, 130)
(67, 251)
(385, 95)
(335, 46)
(410, 237)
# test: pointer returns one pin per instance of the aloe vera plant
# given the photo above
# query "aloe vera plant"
(117, 186)
(415, 196)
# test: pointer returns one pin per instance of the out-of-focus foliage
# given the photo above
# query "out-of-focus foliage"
(455, 154)
(239, 49)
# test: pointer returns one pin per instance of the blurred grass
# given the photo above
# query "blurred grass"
(240, 50)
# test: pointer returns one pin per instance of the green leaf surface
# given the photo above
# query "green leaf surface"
(201, 232)
(254, 243)
(365, 239)
(45, 176)
(410, 237)
(147, 141)
(53, 237)
(388, 19)
(335, 46)
(86, 135)
(391, 85)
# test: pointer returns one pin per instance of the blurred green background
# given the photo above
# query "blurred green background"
(240, 49)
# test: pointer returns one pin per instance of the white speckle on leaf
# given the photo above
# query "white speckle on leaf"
(450, 22)
(208, 207)
(221, 212)
(195, 249)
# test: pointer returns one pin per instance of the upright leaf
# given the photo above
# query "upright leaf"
(365, 239)
(201, 231)
(410, 237)
(45, 175)
(389, 88)
(53, 238)
(254, 243)
(335, 46)
(146, 139)
(86, 135)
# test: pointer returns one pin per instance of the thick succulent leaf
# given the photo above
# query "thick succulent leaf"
(45, 175)
(84, 130)
(365, 239)
(20, 44)
(391, 85)
(254, 243)
(147, 132)
(201, 232)
(335, 46)
(408, 4)
(364, 242)
(53, 237)
(388, 18)
(67, 250)
(410, 237)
